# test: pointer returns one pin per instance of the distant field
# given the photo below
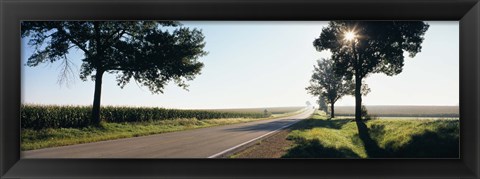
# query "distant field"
(402, 111)
(273, 110)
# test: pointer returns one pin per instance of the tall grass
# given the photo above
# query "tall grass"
(319, 137)
(51, 116)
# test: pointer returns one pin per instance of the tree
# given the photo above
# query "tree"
(141, 50)
(266, 113)
(328, 84)
(308, 103)
(360, 48)
(322, 105)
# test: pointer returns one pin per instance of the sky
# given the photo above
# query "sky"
(260, 64)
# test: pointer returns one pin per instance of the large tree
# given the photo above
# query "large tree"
(329, 85)
(360, 48)
(152, 53)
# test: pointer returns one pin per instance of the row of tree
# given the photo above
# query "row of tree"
(361, 48)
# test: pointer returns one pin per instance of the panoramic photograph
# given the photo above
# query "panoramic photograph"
(240, 89)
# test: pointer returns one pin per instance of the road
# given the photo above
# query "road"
(211, 142)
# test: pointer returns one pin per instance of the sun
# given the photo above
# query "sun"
(350, 35)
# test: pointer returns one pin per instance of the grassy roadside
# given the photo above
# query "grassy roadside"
(53, 137)
(319, 137)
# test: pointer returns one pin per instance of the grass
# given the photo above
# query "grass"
(319, 137)
(53, 137)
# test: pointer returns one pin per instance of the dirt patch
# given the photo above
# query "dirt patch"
(274, 146)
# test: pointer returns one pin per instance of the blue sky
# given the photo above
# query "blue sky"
(261, 64)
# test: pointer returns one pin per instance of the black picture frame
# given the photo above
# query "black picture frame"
(14, 11)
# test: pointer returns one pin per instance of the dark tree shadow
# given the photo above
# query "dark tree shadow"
(314, 149)
(371, 146)
(441, 143)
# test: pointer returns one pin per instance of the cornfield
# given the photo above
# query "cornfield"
(50, 116)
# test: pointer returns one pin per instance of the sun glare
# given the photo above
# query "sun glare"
(350, 35)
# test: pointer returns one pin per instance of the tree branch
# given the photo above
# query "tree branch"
(111, 39)
(120, 68)
(73, 40)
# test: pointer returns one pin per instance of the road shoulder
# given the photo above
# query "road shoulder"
(274, 146)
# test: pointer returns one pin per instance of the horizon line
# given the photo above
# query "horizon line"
(388, 105)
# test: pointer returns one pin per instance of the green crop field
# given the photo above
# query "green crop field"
(402, 111)
(45, 116)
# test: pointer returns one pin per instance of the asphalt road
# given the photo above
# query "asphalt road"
(209, 142)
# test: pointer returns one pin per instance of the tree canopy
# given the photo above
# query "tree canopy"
(379, 45)
(139, 49)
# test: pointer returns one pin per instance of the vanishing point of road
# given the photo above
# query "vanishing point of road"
(211, 142)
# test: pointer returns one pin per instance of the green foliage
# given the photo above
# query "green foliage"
(365, 114)
(322, 105)
(39, 117)
(396, 138)
(379, 45)
(327, 84)
(141, 50)
(267, 113)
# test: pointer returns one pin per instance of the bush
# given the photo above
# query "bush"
(366, 116)
(364, 111)
(267, 113)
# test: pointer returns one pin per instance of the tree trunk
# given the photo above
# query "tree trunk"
(358, 98)
(332, 108)
(358, 85)
(96, 98)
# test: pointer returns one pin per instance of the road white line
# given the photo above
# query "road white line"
(254, 139)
